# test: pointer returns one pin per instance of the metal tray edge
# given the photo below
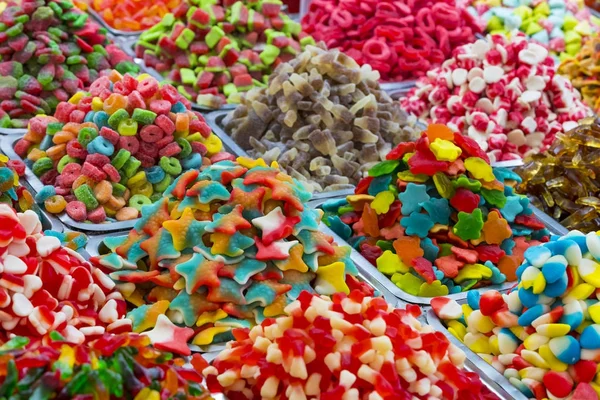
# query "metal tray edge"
(12, 131)
(552, 225)
(486, 372)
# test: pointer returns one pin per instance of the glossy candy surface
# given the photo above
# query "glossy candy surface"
(353, 347)
(323, 118)
(226, 247)
(50, 50)
(436, 218)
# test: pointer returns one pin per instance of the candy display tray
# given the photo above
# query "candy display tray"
(215, 121)
(7, 146)
(401, 295)
(116, 32)
(488, 374)
(12, 131)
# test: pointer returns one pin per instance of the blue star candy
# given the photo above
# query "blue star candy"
(438, 210)
(412, 197)
(417, 224)
(247, 269)
(512, 208)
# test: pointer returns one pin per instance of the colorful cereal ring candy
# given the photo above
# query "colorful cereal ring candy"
(543, 335)
(226, 247)
(50, 50)
(135, 136)
(436, 218)
(126, 365)
(215, 51)
(305, 362)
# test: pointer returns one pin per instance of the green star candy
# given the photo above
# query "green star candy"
(463, 182)
(469, 226)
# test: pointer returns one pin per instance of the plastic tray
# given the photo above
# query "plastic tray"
(7, 145)
(215, 120)
(365, 265)
(115, 32)
(488, 374)
(13, 131)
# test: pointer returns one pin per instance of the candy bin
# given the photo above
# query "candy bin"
(435, 219)
(583, 72)
(122, 366)
(227, 246)
(215, 51)
(541, 335)
(502, 93)
(347, 346)
(563, 181)
(50, 50)
(109, 151)
(129, 18)
(401, 40)
(562, 26)
(323, 118)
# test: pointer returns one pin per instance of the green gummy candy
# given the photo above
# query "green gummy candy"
(14, 30)
(142, 116)
(569, 23)
(117, 117)
(213, 37)
(434, 289)
(8, 82)
(269, 54)
(131, 166)
(185, 38)
(188, 77)
(408, 282)
(306, 41)
(572, 37)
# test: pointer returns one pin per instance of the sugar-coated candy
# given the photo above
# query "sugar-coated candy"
(46, 287)
(562, 181)
(120, 155)
(323, 118)
(582, 71)
(401, 40)
(347, 346)
(11, 192)
(436, 218)
(131, 16)
(215, 51)
(544, 334)
(502, 93)
(561, 26)
(227, 246)
(50, 50)
(121, 366)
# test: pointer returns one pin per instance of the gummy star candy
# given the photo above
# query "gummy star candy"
(243, 257)
(305, 359)
(457, 214)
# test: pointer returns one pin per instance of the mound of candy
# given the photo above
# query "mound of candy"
(132, 15)
(354, 347)
(563, 182)
(48, 288)
(108, 152)
(544, 335)
(216, 50)
(584, 73)
(226, 247)
(561, 26)
(502, 93)
(401, 40)
(11, 192)
(436, 218)
(50, 50)
(120, 366)
(324, 119)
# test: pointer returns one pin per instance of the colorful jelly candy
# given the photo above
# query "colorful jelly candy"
(122, 366)
(401, 40)
(49, 288)
(543, 335)
(131, 16)
(214, 51)
(226, 247)
(436, 218)
(562, 181)
(502, 93)
(561, 26)
(108, 152)
(50, 50)
(329, 133)
(352, 346)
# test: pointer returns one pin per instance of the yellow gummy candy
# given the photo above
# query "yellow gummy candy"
(554, 363)
(77, 97)
(97, 104)
(579, 292)
(141, 77)
(539, 284)
(206, 336)
(480, 169)
(210, 317)
(594, 311)
(213, 145)
(382, 202)
(444, 150)
(389, 263)
(534, 358)
(553, 330)
(147, 394)
(251, 163)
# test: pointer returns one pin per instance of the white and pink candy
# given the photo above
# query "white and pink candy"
(45, 287)
(503, 93)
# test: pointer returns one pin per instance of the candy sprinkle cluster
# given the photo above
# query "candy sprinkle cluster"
(120, 366)
(48, 288)
(350, 347)
(436, 218)
(227, 247)
(502, 93)
(109, 151)
(544, 335)
(50, 50)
